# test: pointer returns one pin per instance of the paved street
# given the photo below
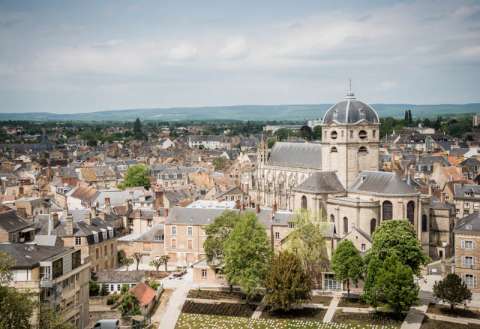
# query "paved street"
(181, 288)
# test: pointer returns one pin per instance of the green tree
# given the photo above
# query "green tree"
(165, 259)
(282, 134)
(317, 133)
(157, 262)
(129, 305)
(129, 261)
(347, 263)
(137, 129)
(137, 175)
(137, 256)
(307, 241)
(94, 288)
(49, 319)
(247, 254)
(395, 285)
(217, 233)
(370, 294)
(287, 282)
(452, 290)
(398, 237)
(219, 163)
(16, 309)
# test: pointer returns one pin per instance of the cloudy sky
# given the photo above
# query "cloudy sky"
(79, 56)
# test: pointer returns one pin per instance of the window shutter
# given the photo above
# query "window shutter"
(463, 244)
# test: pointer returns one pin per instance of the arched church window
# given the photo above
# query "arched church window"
(345, 225)
(374, 132)
(373, 225)
(424, 223)
(363, 150)
(351, 133)
(332, 218)
(411, 212)
(333, 150)
(304, 202)
(387, 210)
(362, 134)
(334, 134)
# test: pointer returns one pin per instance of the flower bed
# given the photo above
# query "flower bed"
(241, 310)
(457, 312)
(325, 300)
(434, 324)
(198, 321)
(378, 318)
(352, 302)
(215, 294)
(307, 313)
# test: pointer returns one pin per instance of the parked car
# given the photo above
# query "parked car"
(107, 324)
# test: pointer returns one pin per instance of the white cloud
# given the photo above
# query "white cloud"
(183, 52)
(235, 48)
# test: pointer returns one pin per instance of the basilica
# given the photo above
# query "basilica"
(338, 179)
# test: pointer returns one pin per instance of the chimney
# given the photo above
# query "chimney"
(442, 197)
(166, 212)
(107, 202)
(258, 208)
(274, 208)
(68, 223)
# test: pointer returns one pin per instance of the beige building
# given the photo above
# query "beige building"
(467, 251)
(52, 276)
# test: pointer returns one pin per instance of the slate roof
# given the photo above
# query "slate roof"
(111, 276)
(85, 193)
(466, 191)
(10, 221)
(321, 182)
(468, 224)
(470, 162)
(383, 183)
(30, 255)
(204, 216)
(297, 155)
(350, 111)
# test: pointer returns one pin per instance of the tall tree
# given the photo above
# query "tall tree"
(136, 176)
(287, 282)
(217, 233)
(347, 263)
(137, 129)
(398, 237)
(395, 284)
(306, 240)
(165, 259)
(247, 254)
(452, 290)
(157, 262)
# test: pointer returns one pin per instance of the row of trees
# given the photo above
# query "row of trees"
(238, 244)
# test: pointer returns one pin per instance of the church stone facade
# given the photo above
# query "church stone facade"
(339, 178)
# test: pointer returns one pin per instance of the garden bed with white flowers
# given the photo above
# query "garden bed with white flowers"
(201, 321)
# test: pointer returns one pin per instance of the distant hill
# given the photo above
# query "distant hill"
(241, 112)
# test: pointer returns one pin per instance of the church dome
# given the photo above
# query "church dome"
(352, 111)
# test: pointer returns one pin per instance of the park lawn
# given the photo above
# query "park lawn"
(377, 318)
(201, 321)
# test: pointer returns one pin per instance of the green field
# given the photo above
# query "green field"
(200, 321)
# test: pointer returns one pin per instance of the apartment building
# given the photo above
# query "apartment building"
(54, 277)
(95, 237)
(467, 250)
(466, 198)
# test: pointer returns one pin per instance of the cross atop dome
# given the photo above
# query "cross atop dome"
(350, 94)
